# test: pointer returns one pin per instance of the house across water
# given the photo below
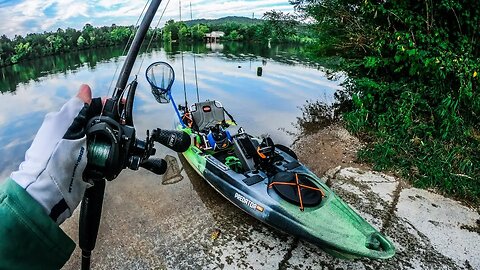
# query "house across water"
(214, 36)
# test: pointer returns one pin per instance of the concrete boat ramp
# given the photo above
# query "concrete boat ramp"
(187, 225)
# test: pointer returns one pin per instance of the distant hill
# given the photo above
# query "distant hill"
(235, 19)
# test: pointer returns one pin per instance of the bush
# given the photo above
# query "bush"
(413, 86)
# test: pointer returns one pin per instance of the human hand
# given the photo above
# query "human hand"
(54, 163)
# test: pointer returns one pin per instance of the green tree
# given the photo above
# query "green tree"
(234, 35)
(56, 43)
(167, 36)
(413, 69)
(87, 34)
(71, 37)
(47, 43)
(199, 31)
(171, 30)
(120, 34)
(22, 51)
(283, 25)
(81, 42)
(263, 32)
(183, 31)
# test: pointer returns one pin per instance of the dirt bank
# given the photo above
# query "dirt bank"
(328, 148)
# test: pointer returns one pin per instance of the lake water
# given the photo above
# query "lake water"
(266, 104)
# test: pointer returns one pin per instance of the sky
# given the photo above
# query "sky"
(32, 16)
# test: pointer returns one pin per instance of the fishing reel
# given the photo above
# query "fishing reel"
(113, 146)
(112, 143)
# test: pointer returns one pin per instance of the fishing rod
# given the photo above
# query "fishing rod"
(194, 60)
(181, 53)
(113, 145)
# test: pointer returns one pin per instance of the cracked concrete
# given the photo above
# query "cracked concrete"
(443, 222)
(425, 227)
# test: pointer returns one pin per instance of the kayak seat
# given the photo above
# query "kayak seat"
(245, 150)
(207, 114)
(208, 119)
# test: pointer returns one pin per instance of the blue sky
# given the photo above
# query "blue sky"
(27, 16)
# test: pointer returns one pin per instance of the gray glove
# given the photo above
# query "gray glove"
(54, 163)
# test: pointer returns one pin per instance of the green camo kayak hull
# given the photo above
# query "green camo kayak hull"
(331, 224)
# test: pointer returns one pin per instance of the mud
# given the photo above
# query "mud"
(328, 148)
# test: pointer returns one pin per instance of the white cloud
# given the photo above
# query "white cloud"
(125, 10)
(30, 16)
(71, 8)
(111, 3)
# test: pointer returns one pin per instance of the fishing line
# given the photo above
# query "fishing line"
(121, 98)
(181, 53)
(135, 28)
(194, 61)
(98, 153)
(141, 63)
(153, 36)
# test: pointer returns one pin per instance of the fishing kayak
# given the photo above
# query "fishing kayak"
(267, 181)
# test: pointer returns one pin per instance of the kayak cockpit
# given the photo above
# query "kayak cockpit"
(242, 153)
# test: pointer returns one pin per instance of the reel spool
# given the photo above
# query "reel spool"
(112, 143)
(105, 156)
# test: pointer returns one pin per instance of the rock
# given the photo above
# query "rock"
(331, 172)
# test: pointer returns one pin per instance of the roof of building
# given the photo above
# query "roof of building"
(215, 34)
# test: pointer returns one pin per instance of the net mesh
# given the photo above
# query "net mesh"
(160, 76)
(173, 173)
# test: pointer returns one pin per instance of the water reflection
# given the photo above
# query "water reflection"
(33, 70)
(261, 105)
(215, 47)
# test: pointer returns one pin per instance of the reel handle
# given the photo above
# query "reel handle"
(176, 140)
(155, 165)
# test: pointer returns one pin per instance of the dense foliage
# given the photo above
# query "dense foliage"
(52, 43)
(276, 27)
(12, 76)
(224, 20)
(414, 84)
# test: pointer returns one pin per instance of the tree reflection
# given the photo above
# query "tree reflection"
(13, 75)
